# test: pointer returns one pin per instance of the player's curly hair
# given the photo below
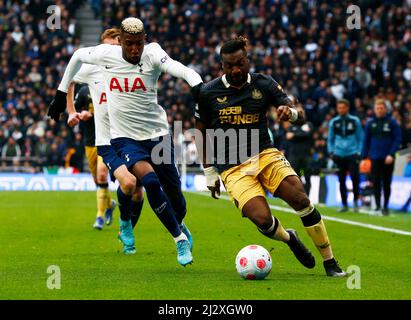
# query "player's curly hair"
(233, 45)
(132, 25)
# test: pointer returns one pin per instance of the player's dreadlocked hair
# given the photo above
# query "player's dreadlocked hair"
(110, 34)
(233, 45)
(132, 25)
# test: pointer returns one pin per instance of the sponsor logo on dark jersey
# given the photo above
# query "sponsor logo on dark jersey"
(234, 115)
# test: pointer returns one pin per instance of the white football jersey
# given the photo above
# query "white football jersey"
(92, 76)
(131, 89)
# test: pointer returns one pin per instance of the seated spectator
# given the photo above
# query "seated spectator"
(11, 152)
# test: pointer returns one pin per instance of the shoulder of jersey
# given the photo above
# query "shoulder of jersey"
(265, 80)
(104, 46)
(151, 48)
(211, 84)
(110, 48)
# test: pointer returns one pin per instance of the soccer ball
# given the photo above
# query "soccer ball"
(253, 262)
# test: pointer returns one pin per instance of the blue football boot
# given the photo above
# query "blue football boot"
(187, 232)
(184, 256)
(126, 236)
(98, 224)
(109, 212)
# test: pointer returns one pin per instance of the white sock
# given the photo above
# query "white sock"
(182, 236)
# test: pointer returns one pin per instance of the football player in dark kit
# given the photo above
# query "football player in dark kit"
(238, 103)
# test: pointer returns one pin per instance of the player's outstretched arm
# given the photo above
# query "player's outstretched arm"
(178, 70)
(175, 68)
(90, 55)
(289, 113)
(74, 116)
(210, 172)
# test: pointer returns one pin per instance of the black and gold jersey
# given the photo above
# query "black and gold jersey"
(82, 101)
(239, 114)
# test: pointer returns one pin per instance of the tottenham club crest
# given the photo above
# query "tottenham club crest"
(256, 94)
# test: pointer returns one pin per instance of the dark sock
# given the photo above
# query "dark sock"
(311, 219)
(124, 202)
(160, 204)
(135, 211)
(178, 203)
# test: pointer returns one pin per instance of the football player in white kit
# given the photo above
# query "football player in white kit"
(137, 122)
(91, 75)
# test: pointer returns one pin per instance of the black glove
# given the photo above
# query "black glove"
(195, 91)
(58, 105)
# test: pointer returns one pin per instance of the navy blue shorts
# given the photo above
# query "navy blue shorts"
(160, 156)
(110, 159)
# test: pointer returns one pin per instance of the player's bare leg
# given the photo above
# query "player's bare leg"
(258, 211)
(101, 192)
(101, 202)
(103, 195)
(291, 190)
(163, 209)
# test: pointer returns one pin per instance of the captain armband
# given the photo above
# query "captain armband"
(294, 115)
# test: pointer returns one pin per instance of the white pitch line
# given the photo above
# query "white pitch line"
(345, 221)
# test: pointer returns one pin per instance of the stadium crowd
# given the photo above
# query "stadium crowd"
(305, 45)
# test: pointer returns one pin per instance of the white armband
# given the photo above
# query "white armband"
(211, 175)
(294, 115)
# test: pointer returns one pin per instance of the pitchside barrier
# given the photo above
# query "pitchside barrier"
(324, 189)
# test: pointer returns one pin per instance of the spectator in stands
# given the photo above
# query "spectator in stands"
(299, 147)
(11, 149)
(54, 158)
(42, 150)
(75, 154)
(192, 154)
(3, 139)
(382, 139)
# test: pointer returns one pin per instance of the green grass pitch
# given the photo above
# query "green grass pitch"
(39, 229)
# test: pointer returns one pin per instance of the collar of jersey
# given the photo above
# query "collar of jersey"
(227, 84)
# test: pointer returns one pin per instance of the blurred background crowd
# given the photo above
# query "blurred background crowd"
(305, 45)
